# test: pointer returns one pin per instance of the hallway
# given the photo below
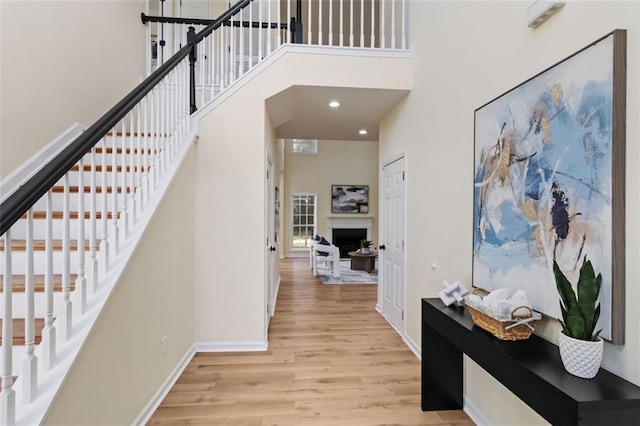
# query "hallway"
(332, 360)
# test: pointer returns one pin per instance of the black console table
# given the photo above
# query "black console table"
(531, 369)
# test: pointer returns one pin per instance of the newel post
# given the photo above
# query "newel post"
(193, 57)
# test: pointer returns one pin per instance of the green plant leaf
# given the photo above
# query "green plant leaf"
(575, 323)
(596, 315)
(588, 289)
(595, 336)
(567, 295)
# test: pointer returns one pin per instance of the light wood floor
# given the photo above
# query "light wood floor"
(332, 360)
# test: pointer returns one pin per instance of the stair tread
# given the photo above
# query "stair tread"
(74, 189)
(109, 150)
(39, 245)
(19, 332)
(18, 283)
(99, 168)
(72, 215)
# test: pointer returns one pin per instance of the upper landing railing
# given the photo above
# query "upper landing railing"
(262, 26)
(74, 217)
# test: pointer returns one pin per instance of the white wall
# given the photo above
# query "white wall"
(467, 53)
(337, 163)
(63, 62)
(230, 202)
(121, 366)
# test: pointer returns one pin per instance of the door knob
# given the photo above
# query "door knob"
(382, 247)
(272, 248)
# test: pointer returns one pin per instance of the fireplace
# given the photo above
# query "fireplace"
(357, 228)
(348, 239)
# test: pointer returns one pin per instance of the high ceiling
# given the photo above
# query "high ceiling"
(303, 112)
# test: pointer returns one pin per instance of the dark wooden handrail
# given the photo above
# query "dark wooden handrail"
(20, 201)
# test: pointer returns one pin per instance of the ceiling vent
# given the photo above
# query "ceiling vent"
(541, 10)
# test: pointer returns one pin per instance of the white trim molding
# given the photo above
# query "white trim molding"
(163, 391)
(340, 222)
(258, 346)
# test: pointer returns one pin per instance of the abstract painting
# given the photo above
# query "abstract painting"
(349, 199)
(549, 181)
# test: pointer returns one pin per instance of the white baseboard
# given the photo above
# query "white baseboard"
(274, 297)
(162, 392)
(473, 412)
(231, 346)
(415, 348)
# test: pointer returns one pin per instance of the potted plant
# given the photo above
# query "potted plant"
(365, 246)
(580, 347)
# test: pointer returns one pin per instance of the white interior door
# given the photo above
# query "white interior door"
(393, 231)
(270, 240)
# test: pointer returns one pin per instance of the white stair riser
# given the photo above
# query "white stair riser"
(40, 304)
(58, 202)
(74, 179)
(19, 229)
(18, 260)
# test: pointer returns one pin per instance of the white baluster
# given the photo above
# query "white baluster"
(351, 25)
(373, 23)
(331, 23)
(320, 41)
(251, 35)
(176, 109)
(124, 213)
(114, 194)
(213, 63)
(202, 55)
(80, 292)
(66, 318)
(144, 199)
(288, 20)
(49, 331)
(232, 51)
(235, 42)
(223, 58)
(156, 138)
(132, 171)
(404, 24)
(29, 373)
(269, 34)
(93, 219)
(341, 24)
(309, 23)
(7, 395)
(163, 127)
(153, 128)
(241, 46)
(383, 41)
(139, 173)
(161, 48)
(104, 240)
(260, 30)
(393, 24)
(361, 23)
(278, 23)
(172, 123)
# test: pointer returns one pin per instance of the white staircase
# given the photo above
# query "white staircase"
(60, 261)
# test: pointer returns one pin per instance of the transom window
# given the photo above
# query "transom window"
(303, 222)
(304, 146)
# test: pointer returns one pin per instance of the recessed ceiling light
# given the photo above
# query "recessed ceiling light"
(334, 104)
(363, 131)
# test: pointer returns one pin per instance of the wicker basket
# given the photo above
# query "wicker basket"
(499, 328)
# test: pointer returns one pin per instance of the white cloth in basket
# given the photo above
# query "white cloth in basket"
(500, 304)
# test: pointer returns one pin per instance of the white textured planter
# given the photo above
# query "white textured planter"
(581, 357)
